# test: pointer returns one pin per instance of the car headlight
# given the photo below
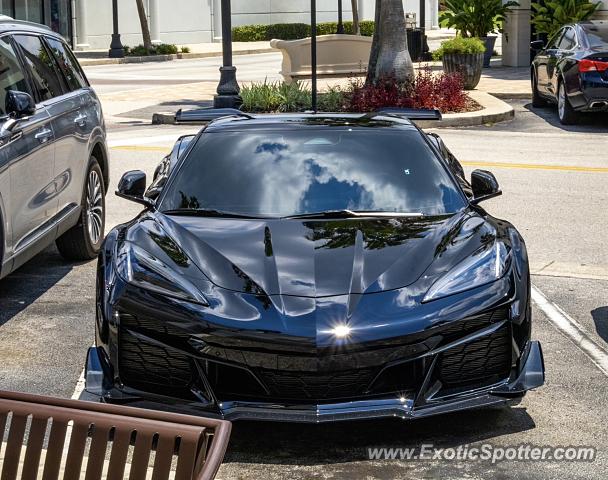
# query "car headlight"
(142, 269)
(486, 265)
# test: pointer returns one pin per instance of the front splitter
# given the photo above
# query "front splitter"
(531, 375)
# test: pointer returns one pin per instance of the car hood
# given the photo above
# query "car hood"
(316, 258)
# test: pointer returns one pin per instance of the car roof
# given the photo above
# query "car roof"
(298, 121)
(9, 25)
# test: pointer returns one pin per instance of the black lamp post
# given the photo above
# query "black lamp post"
(425, 45)
(313, 53)
(340, 22)
(228, 88)
(116, 48)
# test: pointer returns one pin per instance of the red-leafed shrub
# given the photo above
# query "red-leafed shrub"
(427, 90)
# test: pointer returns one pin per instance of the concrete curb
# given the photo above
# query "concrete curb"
(88, 62)
(494, 110)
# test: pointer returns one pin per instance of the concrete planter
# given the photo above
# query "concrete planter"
(468, 65)
(338, 55)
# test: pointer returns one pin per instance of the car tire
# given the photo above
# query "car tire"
(537, 100)
(567, 115)
(83, 241)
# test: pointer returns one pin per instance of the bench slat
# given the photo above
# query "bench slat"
(35, 441)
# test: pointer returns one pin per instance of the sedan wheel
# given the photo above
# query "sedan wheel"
(567, 115)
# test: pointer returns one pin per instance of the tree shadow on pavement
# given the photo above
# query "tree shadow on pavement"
(333, 443)
(600, 317)
(28, 283)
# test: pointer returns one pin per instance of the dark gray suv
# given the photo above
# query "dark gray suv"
(53, 153)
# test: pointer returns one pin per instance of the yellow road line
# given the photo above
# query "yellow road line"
(527, 166)
(538, 166)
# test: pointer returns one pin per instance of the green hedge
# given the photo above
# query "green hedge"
(293, 31)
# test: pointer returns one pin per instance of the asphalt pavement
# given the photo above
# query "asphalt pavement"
(553, 181)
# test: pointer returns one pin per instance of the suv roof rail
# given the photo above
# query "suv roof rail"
(409, 113)
(8, 19)
(208, 114)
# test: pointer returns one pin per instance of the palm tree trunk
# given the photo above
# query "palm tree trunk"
(389, 55)
(355, 10)
(145, 28)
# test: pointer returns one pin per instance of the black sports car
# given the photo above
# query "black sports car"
(313, 267)
(572, 70)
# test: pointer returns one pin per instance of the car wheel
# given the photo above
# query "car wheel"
(83, 241)
(537, 100)
(567, 115)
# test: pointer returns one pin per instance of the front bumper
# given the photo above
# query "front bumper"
(530, 374)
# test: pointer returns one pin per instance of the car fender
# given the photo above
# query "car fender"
(97, 140)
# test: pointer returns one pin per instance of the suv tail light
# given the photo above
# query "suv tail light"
(588, 65)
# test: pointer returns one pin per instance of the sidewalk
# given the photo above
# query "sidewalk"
(197, 50)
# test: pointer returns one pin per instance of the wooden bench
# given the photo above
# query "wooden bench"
(53, 438)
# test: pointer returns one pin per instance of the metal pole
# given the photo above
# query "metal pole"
(340, 22)
(313, 52)
(116, 48)
(228, 88)
(425, 45)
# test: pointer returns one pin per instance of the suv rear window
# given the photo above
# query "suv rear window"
(42, 66)
(11, 76)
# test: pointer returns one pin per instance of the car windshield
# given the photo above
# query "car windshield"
(597, 36)
(264, 173)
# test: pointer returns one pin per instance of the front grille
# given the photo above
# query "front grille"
(153, 368)
(317, 386)
(482, 361)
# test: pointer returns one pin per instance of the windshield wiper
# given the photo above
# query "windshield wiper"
(345, 213)
(206, 212)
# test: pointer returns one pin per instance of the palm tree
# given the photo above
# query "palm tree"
(389, 56)
(145, 29)
(355, 10)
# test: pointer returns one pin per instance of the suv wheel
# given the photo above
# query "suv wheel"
(83, 241)
(567, 115)
(537, 100)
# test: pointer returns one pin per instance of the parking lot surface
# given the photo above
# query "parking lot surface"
(554, 183)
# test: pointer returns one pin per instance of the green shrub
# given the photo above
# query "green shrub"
(332, 100)
(459, 45)
(140, 50)
(549, 16)
(275, 97)
(185, 50)
(475, 18)
(294, 31)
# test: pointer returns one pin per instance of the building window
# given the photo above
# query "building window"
(57, 14)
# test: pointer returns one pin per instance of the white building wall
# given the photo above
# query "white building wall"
(198, 21)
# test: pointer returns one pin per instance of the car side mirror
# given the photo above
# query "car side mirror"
(537, 45)
(19, 104)
(132, 186)
(484, 185)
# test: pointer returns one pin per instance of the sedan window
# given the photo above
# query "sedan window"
(11, 76)
(568, 41)
(553, 42)
(41, 65)
(597, 36)
(298, 172)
